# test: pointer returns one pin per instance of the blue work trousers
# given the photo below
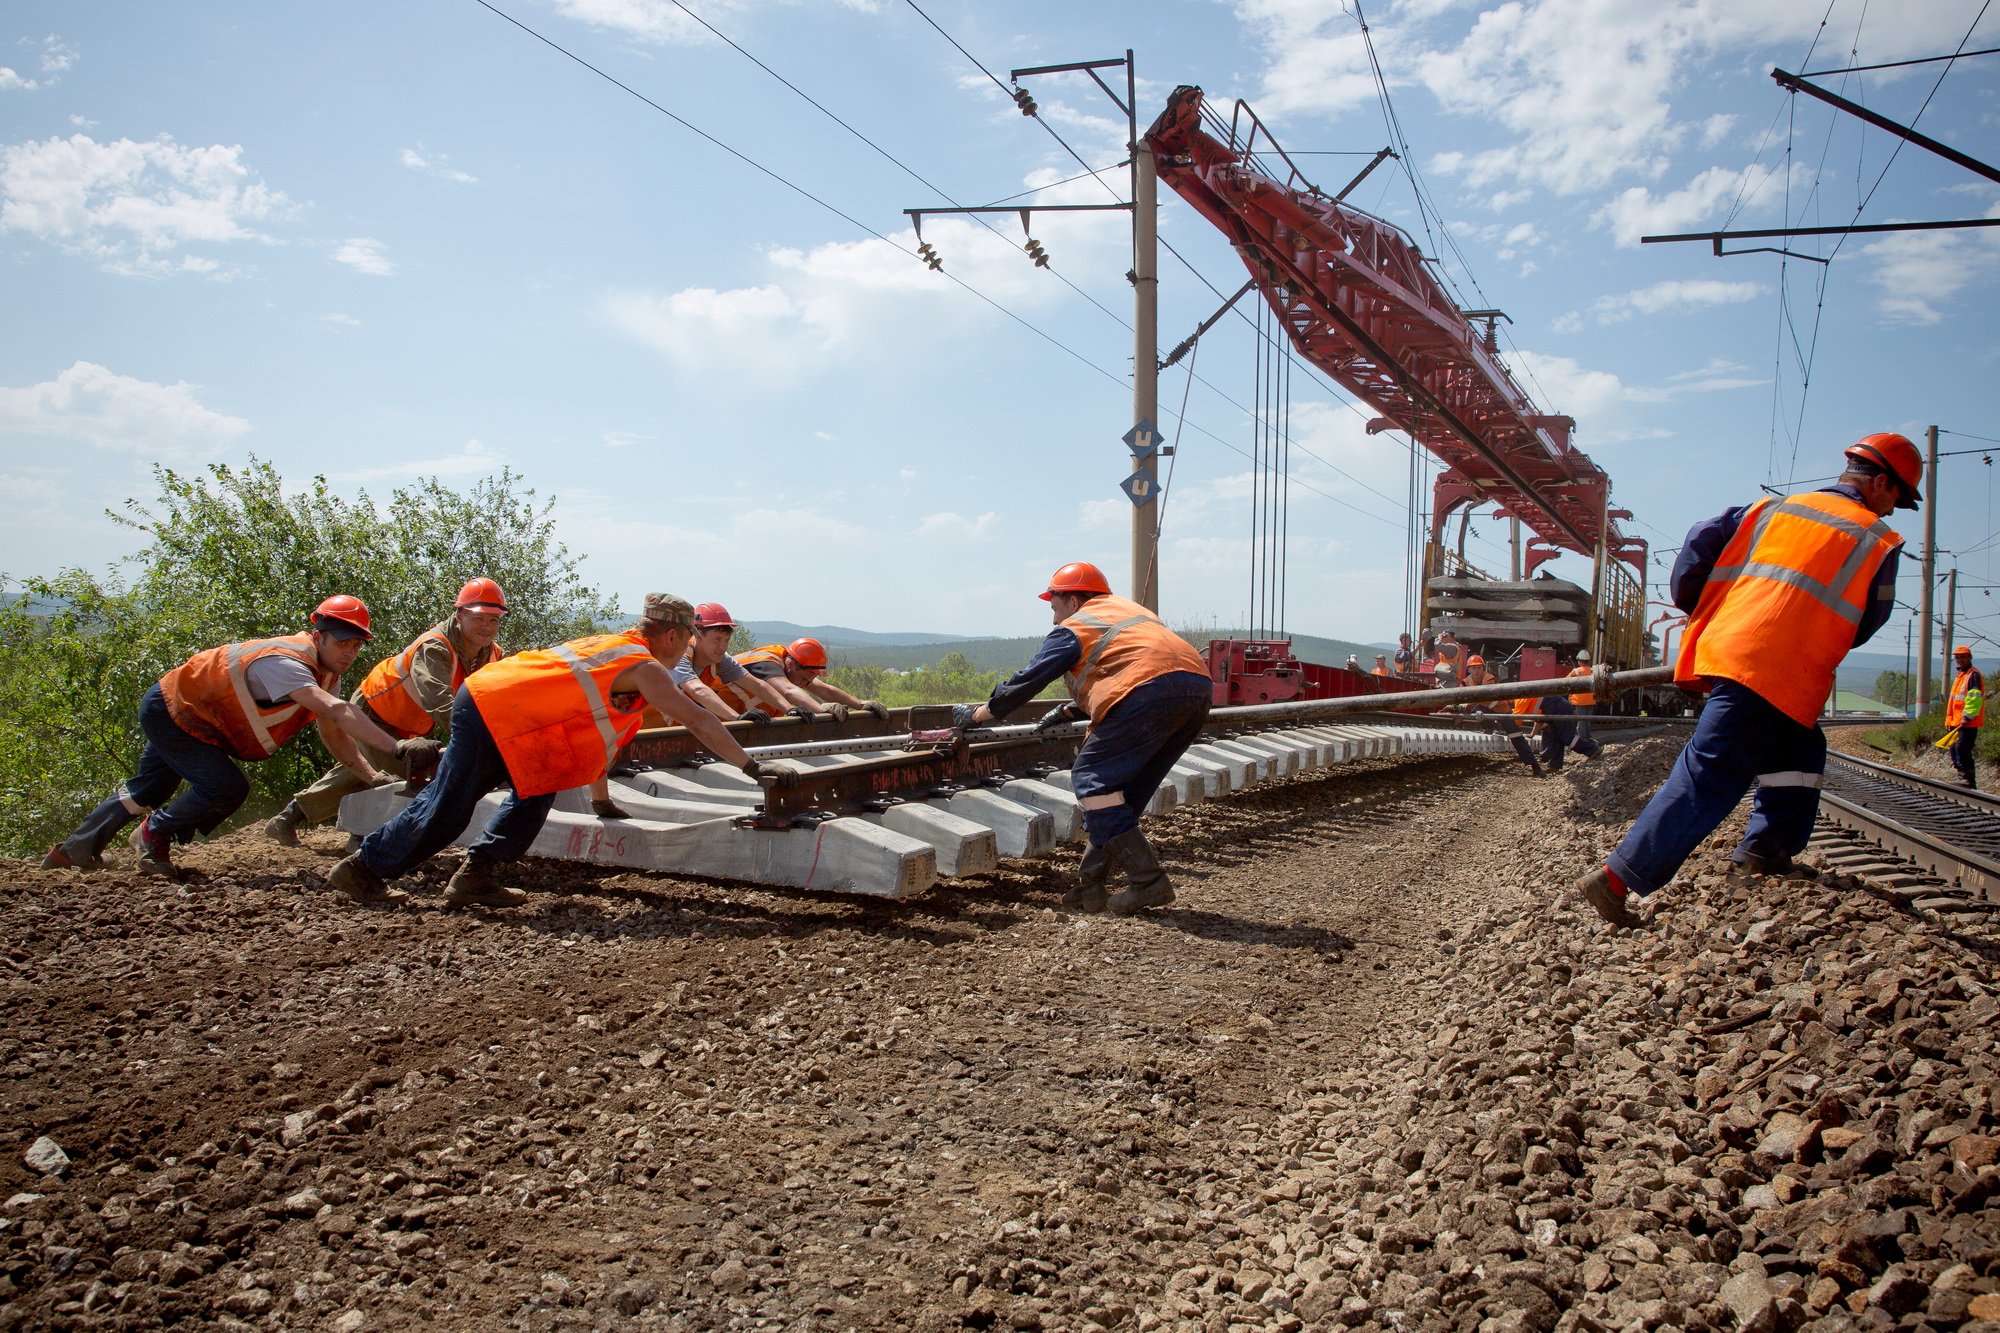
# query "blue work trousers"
(1962, 747)
(1130, 751)
(1742, 738)
(471, 767)
(216, 786)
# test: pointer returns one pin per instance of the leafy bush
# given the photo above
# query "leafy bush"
(231, 557)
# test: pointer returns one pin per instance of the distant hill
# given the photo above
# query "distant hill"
(1010, 655)
(839, 636)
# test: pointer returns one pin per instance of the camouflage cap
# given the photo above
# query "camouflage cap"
(666, 607)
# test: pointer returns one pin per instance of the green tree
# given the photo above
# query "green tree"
(232, 556)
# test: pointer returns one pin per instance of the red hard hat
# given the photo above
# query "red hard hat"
(1896, 454)
(483, 595)
(808, 653)
(709, 615)
(1077, 576)
(349, 610)
(1475, 660)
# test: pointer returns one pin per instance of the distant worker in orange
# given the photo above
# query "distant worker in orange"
(240, 702)
(1381, 665)
(794, 670)
(1777, 593)
(1146, 693)
(540, 722)
(1476, 672)
(1583, 702)
(1965, 710)
(1450, 659)
(406, 695)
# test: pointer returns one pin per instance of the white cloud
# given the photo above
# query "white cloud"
(956, 526)
(1920, 271)
(1674, 295)
(475, 459)
(1101, 515)
(88, 404)
(661, 21)
(625, 439)
(127, 204)
(9, 80)
(1708, 197)
(437, 164)
(364, 254)
(335, 317)
(55, 59)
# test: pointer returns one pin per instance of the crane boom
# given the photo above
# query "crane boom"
(1361, 302)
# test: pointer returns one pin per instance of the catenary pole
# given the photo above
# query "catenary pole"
(1930, 572)
(1950, 620)
(1145, 346)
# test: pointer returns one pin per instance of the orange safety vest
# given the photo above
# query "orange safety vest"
(1967, 705)
(386, 689)
(1780, 607)
(1586, 699)
(209, 696)
(551, 712)
(770, 652)
(1124, 646)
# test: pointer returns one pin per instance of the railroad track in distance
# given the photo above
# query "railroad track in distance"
(1948, 833)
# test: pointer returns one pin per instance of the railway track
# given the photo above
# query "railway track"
(1945, 839)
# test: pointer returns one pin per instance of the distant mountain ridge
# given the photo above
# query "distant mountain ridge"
(839, 636)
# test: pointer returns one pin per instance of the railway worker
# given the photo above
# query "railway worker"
(717, 681)
(1517, 734)
(1584, 702)
(1450, 659)
(1381, 665)
(794, 670)
(1476, 672)
(1146, 693)
(1776, 592)
(238, 702)
(1966, 710)
(406, 695)
(542, 721)
(1406, 656)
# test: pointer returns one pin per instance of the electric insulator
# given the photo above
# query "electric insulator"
(1025, 102)
(1036, 253)
(929, 254)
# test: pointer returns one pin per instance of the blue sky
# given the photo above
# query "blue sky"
(392, 240)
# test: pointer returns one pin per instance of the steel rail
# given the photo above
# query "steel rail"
(1984, 802)
(1956, 864)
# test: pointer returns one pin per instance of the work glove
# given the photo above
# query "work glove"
(838, 712)
(876, 708)
(418, 753)
(801, 712)
(756, 718)
(609, 809)
(769, 777)
(962, 716)
(1061, 714)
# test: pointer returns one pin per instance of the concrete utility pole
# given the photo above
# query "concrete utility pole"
(1950, 621)
(1145, 345)
(1514, 539)
(1930, 572)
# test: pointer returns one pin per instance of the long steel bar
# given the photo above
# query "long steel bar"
(1759, 233)
(1968, 869)
(1796, 84)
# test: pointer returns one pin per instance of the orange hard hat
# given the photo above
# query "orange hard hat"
(1961, 651)
(808, 653)
(711, 615)
(1895, 454)
(348, 610)
(1475, 660)
(481, 595)
(1077, 576)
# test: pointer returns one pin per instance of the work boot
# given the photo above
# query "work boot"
(609, 809)
(155, 849)
(1146, 884)
(60, 859)
(354, 878)
(1087, 894)
(283, 827)
(474, 886)
(1597, 889)
(1745, 864)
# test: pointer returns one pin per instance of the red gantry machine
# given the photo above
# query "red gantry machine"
(1361, 302)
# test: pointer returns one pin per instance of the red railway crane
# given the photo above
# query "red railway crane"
(1361, 301)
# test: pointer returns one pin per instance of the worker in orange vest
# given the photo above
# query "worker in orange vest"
(1777, 593)
(409, 694)
(543, 722)
(1381, 665)
(794, 670)
(719, 682)
(239, 702)
(1476, 672)
(1518, 733)
(1965, 710)
(1582, 704)
(1146, 693)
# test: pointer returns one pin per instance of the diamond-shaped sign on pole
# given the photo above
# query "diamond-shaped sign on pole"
(1142, 439)
(1141, 487)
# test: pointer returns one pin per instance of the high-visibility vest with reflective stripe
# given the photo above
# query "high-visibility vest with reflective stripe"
(1586, 699)
(386, 689)
(550, 711)
(1967, 705)
(209, 696)
(1782, 604)
(770, 652)
(1124, 646)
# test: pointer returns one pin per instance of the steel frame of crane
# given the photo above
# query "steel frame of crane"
(1361, 302)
